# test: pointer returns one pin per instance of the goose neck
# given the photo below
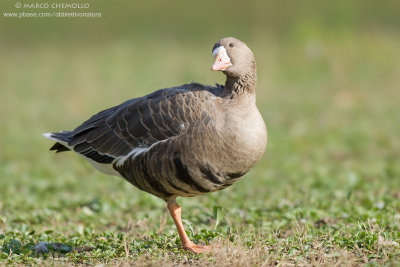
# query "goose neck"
(245, 83)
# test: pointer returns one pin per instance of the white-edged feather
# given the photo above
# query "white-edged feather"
(50, 136)
(120, 160)
(135, 152)
(47, 135)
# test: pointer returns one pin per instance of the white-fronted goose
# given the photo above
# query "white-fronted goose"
(182, 141)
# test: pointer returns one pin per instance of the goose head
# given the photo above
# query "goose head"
(233, 58)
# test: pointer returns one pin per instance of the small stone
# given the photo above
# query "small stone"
(41, 247)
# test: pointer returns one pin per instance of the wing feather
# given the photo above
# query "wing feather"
(139, 122)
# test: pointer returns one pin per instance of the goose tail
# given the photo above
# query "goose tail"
(62, 139)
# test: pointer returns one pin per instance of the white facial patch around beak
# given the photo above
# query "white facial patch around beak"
(220, 49)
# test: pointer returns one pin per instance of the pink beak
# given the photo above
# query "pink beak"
(222, 61)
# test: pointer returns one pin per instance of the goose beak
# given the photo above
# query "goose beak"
(222, 60)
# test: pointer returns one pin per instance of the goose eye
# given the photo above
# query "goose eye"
(220, 59)
(231, 45)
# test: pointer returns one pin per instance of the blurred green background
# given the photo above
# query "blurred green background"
(328, 89)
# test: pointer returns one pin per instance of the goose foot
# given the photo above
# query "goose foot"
(197, 248)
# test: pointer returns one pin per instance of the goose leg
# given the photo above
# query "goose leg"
(175, 210)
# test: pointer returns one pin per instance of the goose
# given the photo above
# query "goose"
(182, 141)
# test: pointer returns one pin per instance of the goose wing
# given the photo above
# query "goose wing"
(136, 123)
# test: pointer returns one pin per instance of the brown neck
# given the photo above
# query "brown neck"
(245, 83)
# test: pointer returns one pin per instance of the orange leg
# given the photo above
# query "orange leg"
(176, 211)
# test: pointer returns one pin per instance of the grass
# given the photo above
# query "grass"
(325, 193)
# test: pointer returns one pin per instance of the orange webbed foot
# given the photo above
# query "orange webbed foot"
(197, 248)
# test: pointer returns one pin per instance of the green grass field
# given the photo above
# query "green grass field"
(326, 191)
